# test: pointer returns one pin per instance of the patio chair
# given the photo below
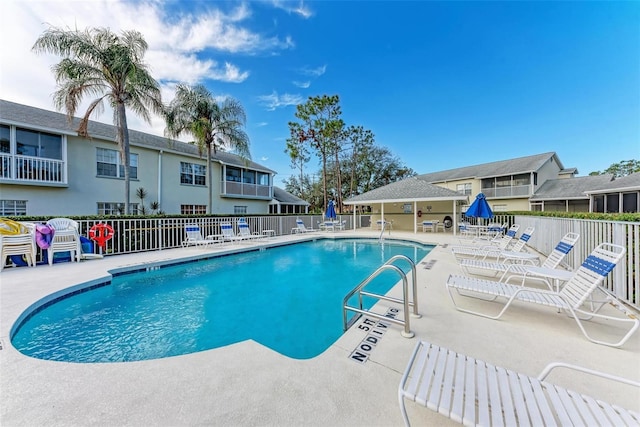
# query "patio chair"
(17, 239)
(228, 235)
(498, 240)
(549, 267)
(494, 250)
(195, 237)
(571, 298)
(245, 232)
(301, 228)
(465, 231)
(472, 392)
(66, 238)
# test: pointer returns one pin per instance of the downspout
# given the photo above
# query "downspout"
(415, 217)
(160, 179)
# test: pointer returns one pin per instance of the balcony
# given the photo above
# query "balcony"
(245, 190)
(508, 191)
(28, 169)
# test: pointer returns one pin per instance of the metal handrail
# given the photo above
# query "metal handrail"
(404, 300)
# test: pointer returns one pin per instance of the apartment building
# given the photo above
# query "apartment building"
(47, 169)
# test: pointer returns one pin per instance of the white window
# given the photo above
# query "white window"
(193, 209)
(263, 178)
(115, 208)
(239, 210)
(38, 144)
(108, 164)
(193, 174)
(499, 208)
(464, 189)
(13, 207)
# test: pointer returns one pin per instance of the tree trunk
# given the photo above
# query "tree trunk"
(210, 183)
(339, 177)
(324, 181)
(123, 142)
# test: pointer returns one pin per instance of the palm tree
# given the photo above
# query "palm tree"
(98, 63)
(213, 125)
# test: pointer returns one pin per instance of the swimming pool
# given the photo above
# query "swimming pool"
(287, 298)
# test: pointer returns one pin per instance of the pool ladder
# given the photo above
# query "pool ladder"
(405, 300)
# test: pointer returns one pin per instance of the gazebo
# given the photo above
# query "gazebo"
(411, 196)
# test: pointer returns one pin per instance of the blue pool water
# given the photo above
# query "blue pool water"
(287, 298)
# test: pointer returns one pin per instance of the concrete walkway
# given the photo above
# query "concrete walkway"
(246, 384)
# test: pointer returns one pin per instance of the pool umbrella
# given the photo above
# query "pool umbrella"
(331, 211)
(479, 208)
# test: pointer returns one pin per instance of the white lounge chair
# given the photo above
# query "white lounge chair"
(301, 228)
(66, 238)
(548, 269)
(499, 241)
(571, 298)
(245, 232)
(516, 250)
(228, 235)
(473, 392)
(195, 237)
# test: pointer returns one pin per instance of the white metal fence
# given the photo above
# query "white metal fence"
(149, 234)
(624, 281)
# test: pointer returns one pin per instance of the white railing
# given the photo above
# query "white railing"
(6, 161)
(35, 169)
(150, 234)
(624, 281)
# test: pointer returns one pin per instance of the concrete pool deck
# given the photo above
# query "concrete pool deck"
(246, 384)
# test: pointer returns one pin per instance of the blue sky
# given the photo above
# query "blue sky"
(441, 84)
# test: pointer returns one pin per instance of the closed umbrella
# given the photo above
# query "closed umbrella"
(331, 211)
(479, 208)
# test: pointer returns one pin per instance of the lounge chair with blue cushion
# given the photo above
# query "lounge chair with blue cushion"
(301, 228)
(245, 232)
(475, 393)
(572, 298)
(500, 241)
(504, 249)
(194, 237)
(548, 269)
(228, 235)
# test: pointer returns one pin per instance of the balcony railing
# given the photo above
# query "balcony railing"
(511, 191)
(231, 188)
(34, 169)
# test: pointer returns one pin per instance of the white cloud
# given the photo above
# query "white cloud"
(185, 47)
(315, 72)
(303, 85)
(290, 7)
(274, 100)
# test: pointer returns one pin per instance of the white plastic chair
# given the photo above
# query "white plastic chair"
(301, 228)
(489, 250)
(244, 232)
(65, 238)
(572, 298)
(195, 237)
(548, 269)
(472, 392)
(23, 243)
